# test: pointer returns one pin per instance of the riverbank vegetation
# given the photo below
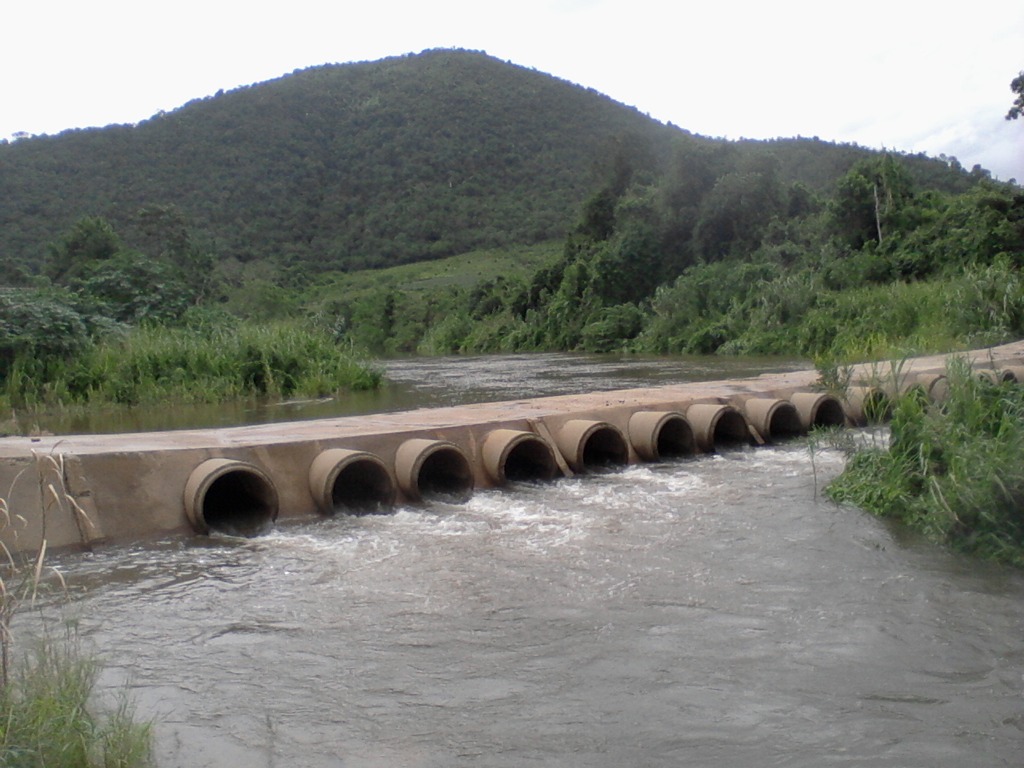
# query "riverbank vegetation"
(760, 267)
(106, 324)
(207, 362)
(51, 713)
(952, 471)
(883, 264)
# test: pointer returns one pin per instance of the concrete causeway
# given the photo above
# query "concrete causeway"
(78, 490)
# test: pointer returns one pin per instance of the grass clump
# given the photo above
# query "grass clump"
(952, 471)
(49, 713)
(215, 363)
(47, 717)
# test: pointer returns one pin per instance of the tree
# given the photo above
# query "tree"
(90, 241)
(130, 288)
(1017, 86)
(165, 234)
(870, 199)
(38, 324)
(734, 214)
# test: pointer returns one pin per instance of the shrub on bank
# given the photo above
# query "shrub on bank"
(954, 471)
(194, 364)
(48, 715)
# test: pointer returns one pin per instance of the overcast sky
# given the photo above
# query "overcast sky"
(910, 75)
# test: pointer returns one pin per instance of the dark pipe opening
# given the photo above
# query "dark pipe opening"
(830, 413)
(362, 488)
(445, 475)
(731, 431)
(239, 503)
(530, 460)
(604, 448)
(675, 439)
(785, 423)
(996, 376)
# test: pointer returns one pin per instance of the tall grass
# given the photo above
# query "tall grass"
(718, 308)
(49, 715)
(195, 364)
(953, 472)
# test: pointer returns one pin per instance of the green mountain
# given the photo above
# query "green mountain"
(334, 167)
(344, 167)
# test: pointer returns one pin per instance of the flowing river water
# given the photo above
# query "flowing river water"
(716, 611)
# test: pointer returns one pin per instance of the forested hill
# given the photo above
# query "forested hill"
(343, 166)
(365, 165)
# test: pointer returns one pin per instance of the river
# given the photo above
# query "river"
(716, 611)
(424, 382)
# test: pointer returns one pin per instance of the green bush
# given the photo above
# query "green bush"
(36, 323)
(204, 363)
(609, 328)
(49, 717)
(447, 336)
(953, 472)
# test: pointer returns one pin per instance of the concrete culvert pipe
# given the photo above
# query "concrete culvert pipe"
(818, 409)
(914, 392)
(995, 376)
(230, 496)
(867, 405)
(935, 386)
(433, 470)
(658, 435)
(718, 426)
(345, 481)
(938, 389)
(774, 419)
(512, 455)
(1017, 371)
(590, 445)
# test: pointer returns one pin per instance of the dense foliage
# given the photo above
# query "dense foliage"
(952, 472)
(740, 261)
(111, 325)
(211, 361)
(1017, 86)
(366, 165)
(332, 167)
(50, 713)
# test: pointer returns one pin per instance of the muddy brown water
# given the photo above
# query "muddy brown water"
(710, 612)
